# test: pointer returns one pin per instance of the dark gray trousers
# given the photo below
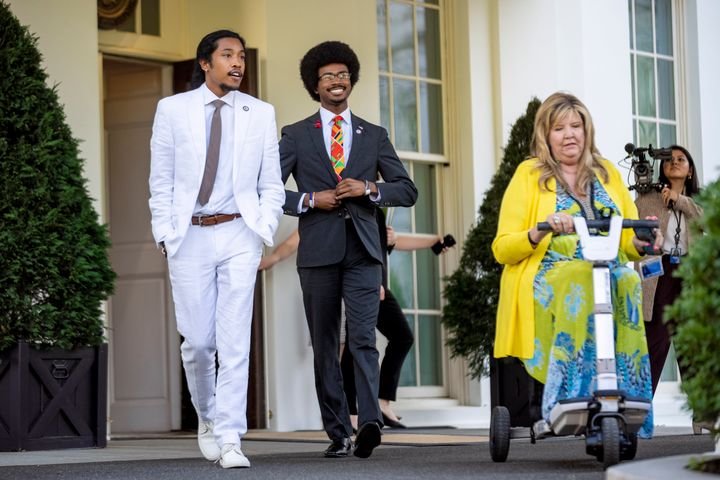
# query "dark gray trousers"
(356, 280)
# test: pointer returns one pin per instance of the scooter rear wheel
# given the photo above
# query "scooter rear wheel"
(610, 442)
(499, 433)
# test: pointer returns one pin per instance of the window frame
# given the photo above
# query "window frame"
(410, 159)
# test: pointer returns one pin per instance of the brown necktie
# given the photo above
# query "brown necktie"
(212, 156)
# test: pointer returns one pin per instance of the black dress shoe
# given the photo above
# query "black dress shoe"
(392, 423)
(367, 438)
(339, 448)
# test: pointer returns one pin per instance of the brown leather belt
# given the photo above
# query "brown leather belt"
(209, 220)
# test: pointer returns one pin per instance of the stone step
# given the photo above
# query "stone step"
(441, 412)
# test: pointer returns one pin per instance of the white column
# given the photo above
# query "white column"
(704, 96)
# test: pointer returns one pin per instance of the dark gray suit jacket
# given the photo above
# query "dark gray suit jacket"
(322, 233)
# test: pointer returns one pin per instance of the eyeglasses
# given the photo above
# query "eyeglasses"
(329, 77)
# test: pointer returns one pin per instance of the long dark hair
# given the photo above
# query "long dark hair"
(205, 49)
(692, 186)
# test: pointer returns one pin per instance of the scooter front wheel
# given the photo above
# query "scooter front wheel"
(610, 442)
(499, 433)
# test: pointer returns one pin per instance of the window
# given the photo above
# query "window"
(652, 63)
(411, 107)
(145, 19)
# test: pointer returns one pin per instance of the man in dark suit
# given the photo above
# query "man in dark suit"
(335, 158)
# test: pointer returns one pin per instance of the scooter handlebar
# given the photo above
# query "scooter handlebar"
(605, 224)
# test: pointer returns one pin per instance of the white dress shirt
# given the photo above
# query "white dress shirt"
(222, 198)
(327, 119)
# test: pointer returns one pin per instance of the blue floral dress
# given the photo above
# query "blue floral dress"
(564, 357)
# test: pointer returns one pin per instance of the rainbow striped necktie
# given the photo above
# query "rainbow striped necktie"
(337, 152)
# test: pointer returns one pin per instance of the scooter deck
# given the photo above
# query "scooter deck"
(570, 416)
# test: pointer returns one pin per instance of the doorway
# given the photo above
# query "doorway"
(144, 346)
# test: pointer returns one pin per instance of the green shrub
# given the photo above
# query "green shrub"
(472, 291)
(697, 312)
(54, 267)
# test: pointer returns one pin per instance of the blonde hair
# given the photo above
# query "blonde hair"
(553, 110)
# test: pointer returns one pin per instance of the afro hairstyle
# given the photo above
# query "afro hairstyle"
(324, 54)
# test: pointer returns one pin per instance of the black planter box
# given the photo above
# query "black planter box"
(53, 398)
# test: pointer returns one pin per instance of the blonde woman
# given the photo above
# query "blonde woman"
(545, 313)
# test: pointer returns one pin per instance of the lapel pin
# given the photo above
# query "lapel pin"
(317, 124)
(246, 108)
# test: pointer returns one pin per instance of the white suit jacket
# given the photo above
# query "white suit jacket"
(177, 164)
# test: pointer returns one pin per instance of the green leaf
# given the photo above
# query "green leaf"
(696, 312)
(54, 267)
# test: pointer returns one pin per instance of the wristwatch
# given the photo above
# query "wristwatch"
(367, 188)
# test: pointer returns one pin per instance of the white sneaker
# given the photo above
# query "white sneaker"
(206, 441)
(232, 457)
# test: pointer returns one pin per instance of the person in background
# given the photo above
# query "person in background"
(281, 252)
(216, 195)
(675, 208)
(336, 158)
(545, 310)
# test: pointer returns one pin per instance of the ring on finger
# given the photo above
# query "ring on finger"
(556, 219)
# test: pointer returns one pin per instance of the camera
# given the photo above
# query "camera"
(447, 242)
(644, 169)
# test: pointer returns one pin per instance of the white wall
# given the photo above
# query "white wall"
(72, 62)
(484, 97)
(605, 77)
(708, 93)
(580, 46)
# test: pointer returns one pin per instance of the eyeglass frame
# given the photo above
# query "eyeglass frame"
(329, 76)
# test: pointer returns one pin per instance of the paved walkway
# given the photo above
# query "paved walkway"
(258, 442)
(412, 454)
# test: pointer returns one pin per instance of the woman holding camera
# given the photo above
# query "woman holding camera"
(675, 208)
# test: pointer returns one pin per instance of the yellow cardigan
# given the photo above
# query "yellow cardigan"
(524, 205)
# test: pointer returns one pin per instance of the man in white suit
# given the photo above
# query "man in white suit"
(216, 195)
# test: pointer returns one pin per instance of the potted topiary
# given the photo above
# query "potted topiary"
(54, 266)
(696, 313)
(472, 291)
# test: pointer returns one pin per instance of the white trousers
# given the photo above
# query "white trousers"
(213, 279)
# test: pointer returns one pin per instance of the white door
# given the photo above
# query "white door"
(144, 345)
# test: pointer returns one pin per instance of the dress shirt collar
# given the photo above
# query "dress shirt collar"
(209, 96)
(326, 116)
